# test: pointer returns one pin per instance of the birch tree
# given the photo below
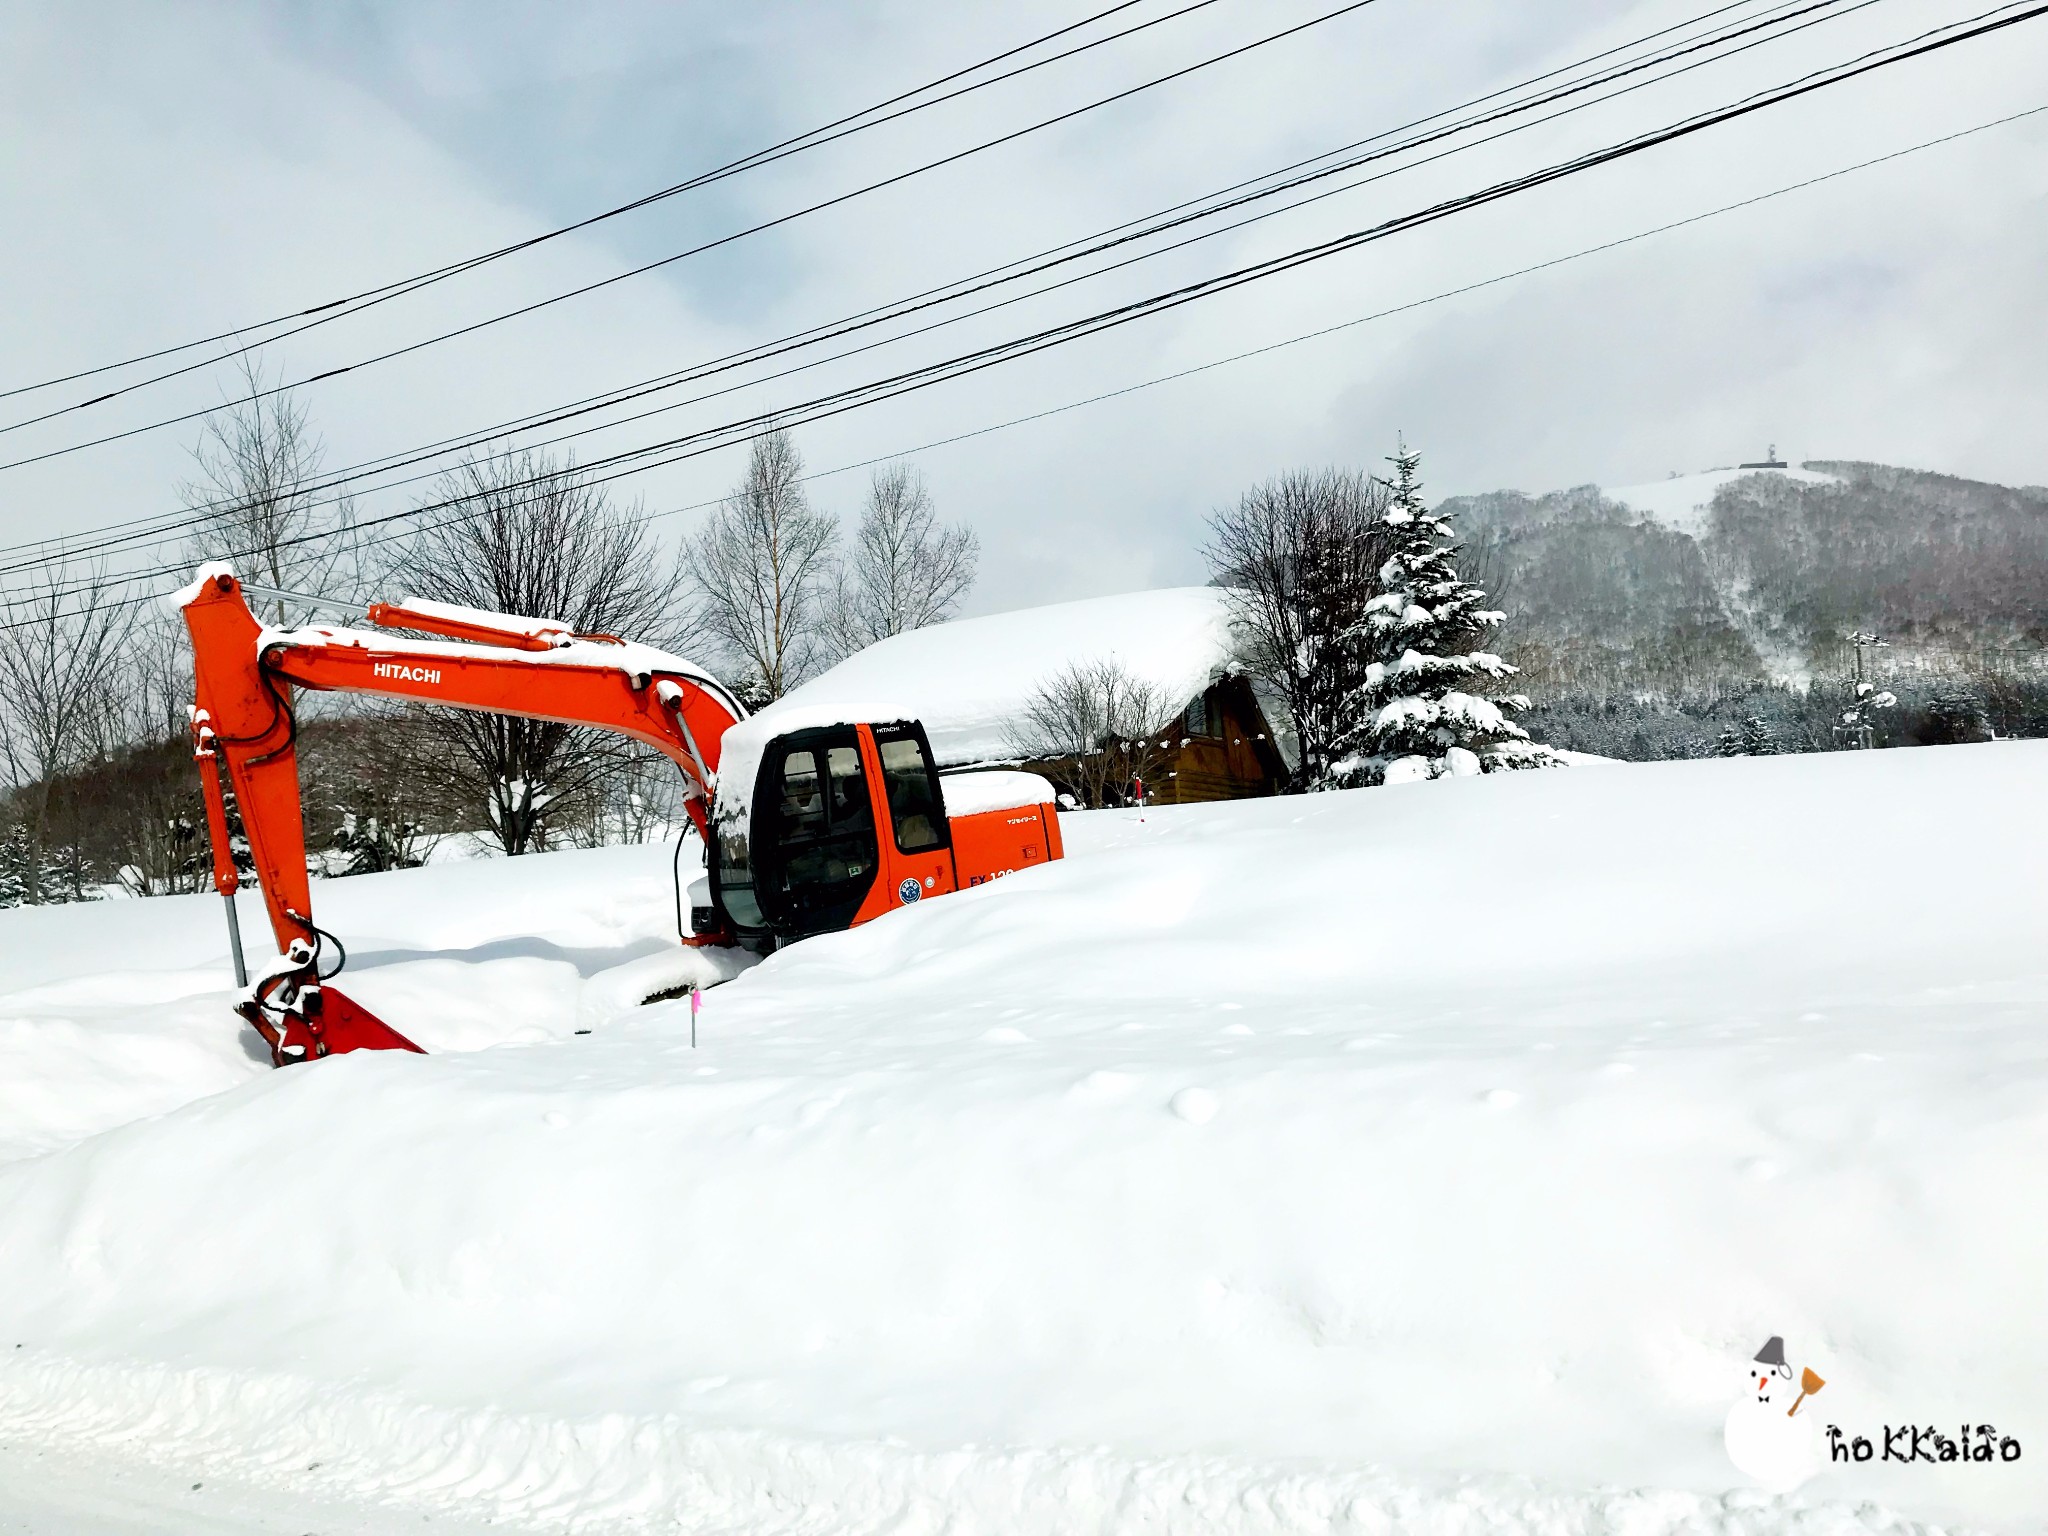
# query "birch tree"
(258, 461)
(906, 569)
(759, 571)
(63, 651)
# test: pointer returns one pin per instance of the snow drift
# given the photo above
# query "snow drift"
(1423, 1159)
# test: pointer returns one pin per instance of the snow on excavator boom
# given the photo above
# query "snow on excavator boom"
(494, 662)
(828, 823)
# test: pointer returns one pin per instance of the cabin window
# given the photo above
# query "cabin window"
(913, 790)
(736, 878)
(815, 868)
(803, 807)
(1201, 718)
(850, 808)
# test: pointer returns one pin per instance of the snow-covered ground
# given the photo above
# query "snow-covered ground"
(1682, 502)
(1425, 1159)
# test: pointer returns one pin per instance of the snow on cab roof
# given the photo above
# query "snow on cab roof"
(969, 680)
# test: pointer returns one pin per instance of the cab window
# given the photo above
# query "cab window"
(915, 810)
(824, 855)
(849, 789)
(736, 879)
(803, 801)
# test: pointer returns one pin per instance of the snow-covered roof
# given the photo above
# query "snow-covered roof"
(969, 680)
(1682, 501)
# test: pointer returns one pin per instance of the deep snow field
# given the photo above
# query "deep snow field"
(1425, 1159)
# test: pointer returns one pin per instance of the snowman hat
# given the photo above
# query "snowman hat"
(1773, 1352)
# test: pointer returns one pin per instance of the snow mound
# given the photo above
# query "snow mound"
(118, 1010)
(1682, 502)
(1431, 1161)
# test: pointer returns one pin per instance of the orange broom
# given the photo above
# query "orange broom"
(1809, 1383)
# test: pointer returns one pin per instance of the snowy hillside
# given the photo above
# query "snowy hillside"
(1428, 1159)
(1682, 502)
(1713, 581)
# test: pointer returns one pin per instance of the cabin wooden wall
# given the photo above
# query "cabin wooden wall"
(1226, 759)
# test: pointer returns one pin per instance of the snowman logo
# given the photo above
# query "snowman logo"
(1766, 1435)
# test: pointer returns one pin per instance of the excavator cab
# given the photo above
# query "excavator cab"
(842, 822)
(818, 832)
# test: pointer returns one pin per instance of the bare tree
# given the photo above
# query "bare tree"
(1093, 728)
(534, 538)
(63, 648)
(258, 460)
(759, 569)
(1300, 557)
(906, 569)
(157, 677)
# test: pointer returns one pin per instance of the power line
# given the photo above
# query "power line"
(1345, 325)
(160, 524)
(1260, 351)
(955, 288)
(665, 261)
(364, 299)
(695, 444)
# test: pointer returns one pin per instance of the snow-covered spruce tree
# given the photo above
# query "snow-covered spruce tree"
(1417, 714)
(33, 876)
(18, 883)
(1752, 738)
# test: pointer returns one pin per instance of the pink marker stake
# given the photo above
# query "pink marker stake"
(696, 1002)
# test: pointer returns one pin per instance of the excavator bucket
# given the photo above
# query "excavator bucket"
(326, 1023)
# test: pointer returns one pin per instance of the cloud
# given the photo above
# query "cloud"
(183, 170)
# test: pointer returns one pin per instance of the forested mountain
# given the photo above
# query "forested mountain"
(1732, 578)
(1651, 620)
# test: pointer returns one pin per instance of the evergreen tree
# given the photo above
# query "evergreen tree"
(1413, 715)
(1956, 714)
(32, 876)
(17, 867)
(368, 845)
(1751, 737)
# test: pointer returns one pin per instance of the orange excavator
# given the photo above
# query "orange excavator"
(812, 822)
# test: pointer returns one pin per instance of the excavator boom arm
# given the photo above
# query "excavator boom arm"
(498, 663)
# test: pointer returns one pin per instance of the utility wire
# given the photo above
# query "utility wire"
(194, 516)
(809, 139)
(691, 445)
(772, 350)
(665, 261)
(1237, 357)
(380, 463)
(1330, 330)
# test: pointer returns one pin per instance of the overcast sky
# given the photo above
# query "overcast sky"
(171, 171)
